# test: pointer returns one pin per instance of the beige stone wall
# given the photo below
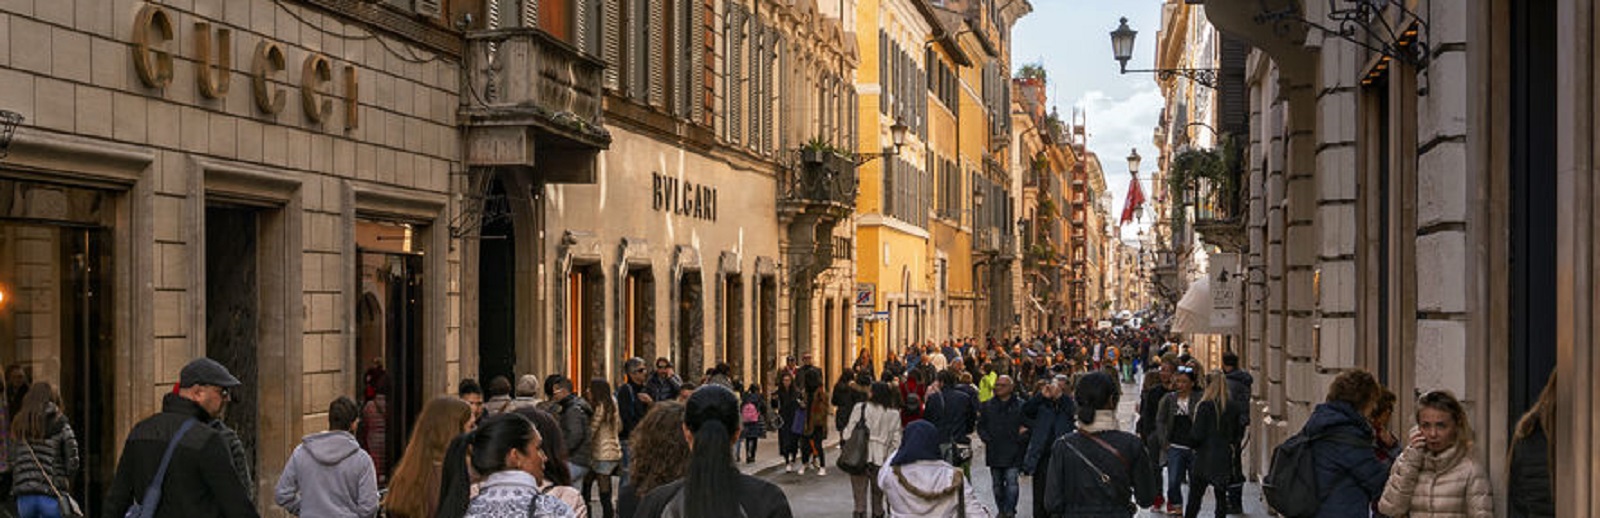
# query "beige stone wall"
(69, 72)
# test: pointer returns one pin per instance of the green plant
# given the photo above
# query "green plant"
(1047, 209)
(1216, 166)
(1032, 71)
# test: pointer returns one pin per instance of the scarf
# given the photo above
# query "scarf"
(1104, 421)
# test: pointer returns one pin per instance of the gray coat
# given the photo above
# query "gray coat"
(328, 475)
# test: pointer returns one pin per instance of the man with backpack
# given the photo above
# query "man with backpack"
(174, 464)
(1328, 470)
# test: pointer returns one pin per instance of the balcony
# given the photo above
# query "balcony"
(1210, 183)
(818, 181)
(986, 240)
(533, 103)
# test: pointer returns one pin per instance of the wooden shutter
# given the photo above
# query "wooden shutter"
(639, 43)
(697, 61)
(883, 72)
(656, 34)
(753, 137)
(735, 61)
(611, 42)
(768, 55)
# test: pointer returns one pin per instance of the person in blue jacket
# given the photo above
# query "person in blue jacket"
(1049, 415)
(1349, 477)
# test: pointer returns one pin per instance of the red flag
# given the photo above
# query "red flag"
(1135, 200)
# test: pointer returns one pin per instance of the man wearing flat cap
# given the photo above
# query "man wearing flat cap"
(201, 479)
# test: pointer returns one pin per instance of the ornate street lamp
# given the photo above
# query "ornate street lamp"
(1122, 50)
(897, 134)
(1133, 162)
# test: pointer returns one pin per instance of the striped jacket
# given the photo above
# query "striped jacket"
(55, 456)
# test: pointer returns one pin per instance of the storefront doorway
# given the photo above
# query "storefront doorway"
(497, 289)
(733, 323)
(233, 309)
(388, 337)
(55, 314)
(691, 326)
(585, 324)
(638, 317)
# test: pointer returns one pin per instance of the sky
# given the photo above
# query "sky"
(1071, 38)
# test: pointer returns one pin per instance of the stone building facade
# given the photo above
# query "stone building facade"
(1421, 206)
(265, 183)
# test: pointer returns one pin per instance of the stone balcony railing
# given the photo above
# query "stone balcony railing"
(528, 93)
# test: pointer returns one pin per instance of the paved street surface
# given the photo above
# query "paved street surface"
(829, 496)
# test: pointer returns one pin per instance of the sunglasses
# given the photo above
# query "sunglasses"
(1186, 368)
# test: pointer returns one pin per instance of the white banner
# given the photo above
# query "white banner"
(1224, 291)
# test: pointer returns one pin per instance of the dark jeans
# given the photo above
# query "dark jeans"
(1006, 490)
(750, 442)
(1179, 461)
(812, 446)
(1197, 494)
(1040, 480)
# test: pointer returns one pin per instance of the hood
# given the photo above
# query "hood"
(331, 448)
(931, 482)
(920, 442)
(1240, 376)
(1338, 417)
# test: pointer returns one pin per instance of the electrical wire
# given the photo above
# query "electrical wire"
(410, 56)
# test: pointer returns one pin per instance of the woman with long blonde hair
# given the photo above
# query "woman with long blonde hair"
(1532, 458)
(414, 489)
(1437, 475)
(1216, 429)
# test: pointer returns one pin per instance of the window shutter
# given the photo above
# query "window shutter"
(697, 61)
(639, 51)
(734, 77)
(610, 42)
(768, 100)
(757, 88)
(883, 72)
(658, 55)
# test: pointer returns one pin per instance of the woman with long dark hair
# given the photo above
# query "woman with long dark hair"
(790, 400)
(1099, 470)
(504, 452)
(44, 453)
(554, 476)
(714, 487)
(605, 446)
(414, 489)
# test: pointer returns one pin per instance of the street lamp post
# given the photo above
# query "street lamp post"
(897, 134)
(1122, 51)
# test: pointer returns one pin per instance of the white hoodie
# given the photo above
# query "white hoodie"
(328, 475)
(929, 477)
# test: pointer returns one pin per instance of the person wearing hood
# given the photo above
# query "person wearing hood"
(917, 482)
(1437, 476)
(328, 475)
(1349, 476)
(1099, 471)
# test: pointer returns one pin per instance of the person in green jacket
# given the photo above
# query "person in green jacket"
(986, 383)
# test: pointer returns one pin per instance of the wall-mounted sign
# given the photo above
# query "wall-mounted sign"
(1224, 291)
(683, 198)
(865, 292)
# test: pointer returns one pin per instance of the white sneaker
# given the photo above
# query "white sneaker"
(788, 467)
(822, 472)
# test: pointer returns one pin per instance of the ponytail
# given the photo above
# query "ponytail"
(455, 485)
(711, 413)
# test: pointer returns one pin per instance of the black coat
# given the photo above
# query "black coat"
(1214, 438)
(1349, 477)
(999, 425)
(200, 479)
(1074, 489)
(845, 397)
(1048, 420)
(1149, 404)
(1529, 492)
(1239, 383)
(953, 412)
(757, 499)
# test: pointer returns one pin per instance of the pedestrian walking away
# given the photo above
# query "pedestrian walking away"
(881, 417)
(918, 482)
(44, 456)
(199, 479)
(1099, 471)
(714, 486)
(414, 490)
(328, 474)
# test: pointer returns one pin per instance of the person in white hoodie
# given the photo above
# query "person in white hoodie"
(329, 475)
(917, 482)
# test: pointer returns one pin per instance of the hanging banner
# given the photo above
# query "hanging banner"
(1225, 291)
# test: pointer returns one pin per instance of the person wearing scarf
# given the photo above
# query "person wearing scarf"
(917, 482)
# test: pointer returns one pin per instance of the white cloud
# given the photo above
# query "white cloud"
(1116, 126)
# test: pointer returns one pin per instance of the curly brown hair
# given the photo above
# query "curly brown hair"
(660, 453)
(1357, 387)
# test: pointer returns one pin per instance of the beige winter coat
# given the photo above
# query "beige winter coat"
(604, 444)
(883, 430)
(1448, 485)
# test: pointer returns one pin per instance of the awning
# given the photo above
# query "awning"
(1194, 310)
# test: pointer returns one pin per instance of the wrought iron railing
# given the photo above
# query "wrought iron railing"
(825, 178)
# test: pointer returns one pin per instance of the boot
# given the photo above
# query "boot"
(607, 509)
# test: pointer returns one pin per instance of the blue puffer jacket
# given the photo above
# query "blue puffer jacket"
(1349, 477)
(1048, 420)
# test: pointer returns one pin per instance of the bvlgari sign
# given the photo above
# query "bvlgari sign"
(683, 197)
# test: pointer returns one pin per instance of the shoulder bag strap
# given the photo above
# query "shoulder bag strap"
(1104, 479)
(152, 494)
(49, 474)
(1108, 447)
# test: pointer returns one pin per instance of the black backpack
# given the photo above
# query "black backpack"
(1291, 485)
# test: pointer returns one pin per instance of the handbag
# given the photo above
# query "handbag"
(853, 456)
(146, 507)
(797, 425)
(68, 506)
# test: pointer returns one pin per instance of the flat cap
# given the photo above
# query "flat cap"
(206, 371)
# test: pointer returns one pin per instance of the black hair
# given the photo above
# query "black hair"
(499, 386)
(487, 446)
(1095, 391)
(863, 379)
(712, 414)
(563, 383)
(883, 395)
(550, 384)
(1229, 359)
(948, 378)
(468, 386)
(554, 445)
(342, 413)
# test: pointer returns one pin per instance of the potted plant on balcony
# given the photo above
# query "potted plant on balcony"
(816, 150)
(1214, 166)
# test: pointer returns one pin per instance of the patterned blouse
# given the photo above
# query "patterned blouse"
(512, 494)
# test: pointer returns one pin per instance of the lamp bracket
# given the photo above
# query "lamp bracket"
(1206, 77)
(1365, 23)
